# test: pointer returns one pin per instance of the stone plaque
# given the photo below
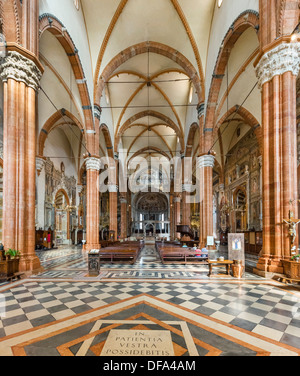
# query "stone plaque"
(138, 343)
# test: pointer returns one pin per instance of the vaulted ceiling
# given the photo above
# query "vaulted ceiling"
(150, 96)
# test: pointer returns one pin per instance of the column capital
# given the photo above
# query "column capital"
(281, 59)
(93, 163)
(206, 160)
(21, 69)
(40, 163)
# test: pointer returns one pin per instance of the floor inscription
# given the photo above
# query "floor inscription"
(138, 343)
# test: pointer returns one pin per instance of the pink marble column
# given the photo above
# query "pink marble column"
(279, 162)
(20, 76)
(205, 165)
(93, 165)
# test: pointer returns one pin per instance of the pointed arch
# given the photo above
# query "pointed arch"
(149, 149)
(51, 124)
(50, 23)
(190, 140)
(168, 122)
(107, 138)
(248, 19)
(248, 118)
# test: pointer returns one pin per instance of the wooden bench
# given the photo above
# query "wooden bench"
(168, 257)
(17, 276)
(287, 280)
(182, 257)
(119, 254)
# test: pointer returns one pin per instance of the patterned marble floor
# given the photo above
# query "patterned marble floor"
(72, 264)
(63, 313)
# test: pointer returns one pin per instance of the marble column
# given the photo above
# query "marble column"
(124, 212)
(277, 71)
(186, 205)
(205, 165)
(177, 211)
(20, 76)
(113, 208)
(93, 166)
(41, 187)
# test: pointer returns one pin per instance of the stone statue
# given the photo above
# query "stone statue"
(292, 227)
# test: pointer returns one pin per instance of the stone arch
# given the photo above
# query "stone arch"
(190, 140)
(50, 23)
(248, 19)
(149, 148)
(248, 118)
(50, 125)
(63, 191)
(108, 142)
(168, 122)
(153, 47)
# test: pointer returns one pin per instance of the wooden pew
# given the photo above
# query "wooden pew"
(179, 255)
(121, 252)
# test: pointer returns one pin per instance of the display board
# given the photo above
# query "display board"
(236, 247)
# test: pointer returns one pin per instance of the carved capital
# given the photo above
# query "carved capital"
(206, 161)
(93, 164)
(281, 59)
(19, 68)
(40, 163)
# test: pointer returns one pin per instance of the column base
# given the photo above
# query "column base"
(30, 265)
(268, 266)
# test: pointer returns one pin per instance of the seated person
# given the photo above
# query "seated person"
(198, 253)
(204, 250)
